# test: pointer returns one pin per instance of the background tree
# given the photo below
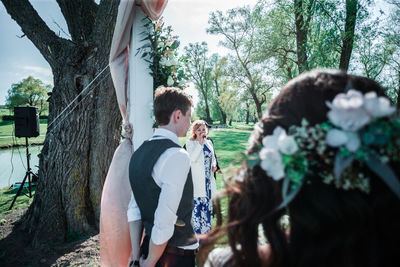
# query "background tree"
(276, 41)
(392, 37)
(31, 92)
(229, 102)
(373, 53)
(198, 70)
(239, 28)
(219, 78)
(348, 34)
(78, 148)
(302, 14)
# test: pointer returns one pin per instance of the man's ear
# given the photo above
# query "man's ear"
(176, 115)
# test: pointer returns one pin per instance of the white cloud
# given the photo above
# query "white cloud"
(41, 73)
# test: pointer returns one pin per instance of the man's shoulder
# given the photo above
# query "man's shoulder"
(179, 153)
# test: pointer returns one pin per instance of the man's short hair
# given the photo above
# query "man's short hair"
(167, 100)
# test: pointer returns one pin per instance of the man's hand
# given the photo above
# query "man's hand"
(214, 168)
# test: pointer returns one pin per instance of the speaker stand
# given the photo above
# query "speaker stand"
(28, 175)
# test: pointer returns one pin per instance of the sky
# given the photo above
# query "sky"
(19, 58)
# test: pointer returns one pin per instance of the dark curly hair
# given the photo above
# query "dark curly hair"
(328, 226)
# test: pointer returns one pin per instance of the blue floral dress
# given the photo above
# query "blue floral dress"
(202, 209)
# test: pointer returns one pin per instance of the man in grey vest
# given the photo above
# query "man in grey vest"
(161, 181)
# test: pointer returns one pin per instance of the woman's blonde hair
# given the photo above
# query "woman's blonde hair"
(196, 125)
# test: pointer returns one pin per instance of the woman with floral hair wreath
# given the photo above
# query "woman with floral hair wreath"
(327, 155)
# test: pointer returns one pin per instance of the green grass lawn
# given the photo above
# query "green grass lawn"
(4, 111)
(229, 143)
(7, 195)
(7, 137)
(7, 128)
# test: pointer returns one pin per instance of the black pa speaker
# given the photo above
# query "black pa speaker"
(26, 121)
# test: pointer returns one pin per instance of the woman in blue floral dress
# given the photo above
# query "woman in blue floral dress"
(203, 166)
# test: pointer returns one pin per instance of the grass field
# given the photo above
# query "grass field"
(229, 143)
(4, 111)
(7, 138)
(7, 195)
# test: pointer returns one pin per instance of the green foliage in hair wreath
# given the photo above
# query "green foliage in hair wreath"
(361, 137)
(161, 53)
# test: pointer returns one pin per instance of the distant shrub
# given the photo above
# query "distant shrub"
(43, 119)
(7, 117)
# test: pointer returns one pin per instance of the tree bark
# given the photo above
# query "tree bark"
(348, 37)
(208, 117)
(223, 114)
(80, 143)
(247, 112)
(301, 36)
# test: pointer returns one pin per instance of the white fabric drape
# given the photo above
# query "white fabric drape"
(115, 246)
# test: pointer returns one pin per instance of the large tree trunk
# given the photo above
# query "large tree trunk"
(80, 143)
(348, 38)
(257, 102)
(247, 112)
(208, 117)
(301, 36)
(223, 114)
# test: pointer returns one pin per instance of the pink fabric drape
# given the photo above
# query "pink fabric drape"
(115, 246)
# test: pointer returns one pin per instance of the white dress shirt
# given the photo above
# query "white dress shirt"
(169, 173)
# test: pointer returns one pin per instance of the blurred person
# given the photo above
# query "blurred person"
(326, 155)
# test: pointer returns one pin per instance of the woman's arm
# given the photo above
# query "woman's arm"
(213, 159)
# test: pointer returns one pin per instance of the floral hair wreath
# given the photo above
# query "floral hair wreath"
(361, 132)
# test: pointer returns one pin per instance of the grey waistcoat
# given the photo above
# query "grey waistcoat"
(147, 192)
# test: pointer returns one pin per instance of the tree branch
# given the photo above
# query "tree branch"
(48, 43)
(80, 16)
(105, 23)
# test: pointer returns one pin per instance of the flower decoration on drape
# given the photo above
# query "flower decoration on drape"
(115, 246)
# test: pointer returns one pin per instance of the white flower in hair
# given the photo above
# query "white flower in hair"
(378, 106)
(348, 112)
(271, 162)
(287, 145)
(271, 141)
(337, 138)
(279, 140)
